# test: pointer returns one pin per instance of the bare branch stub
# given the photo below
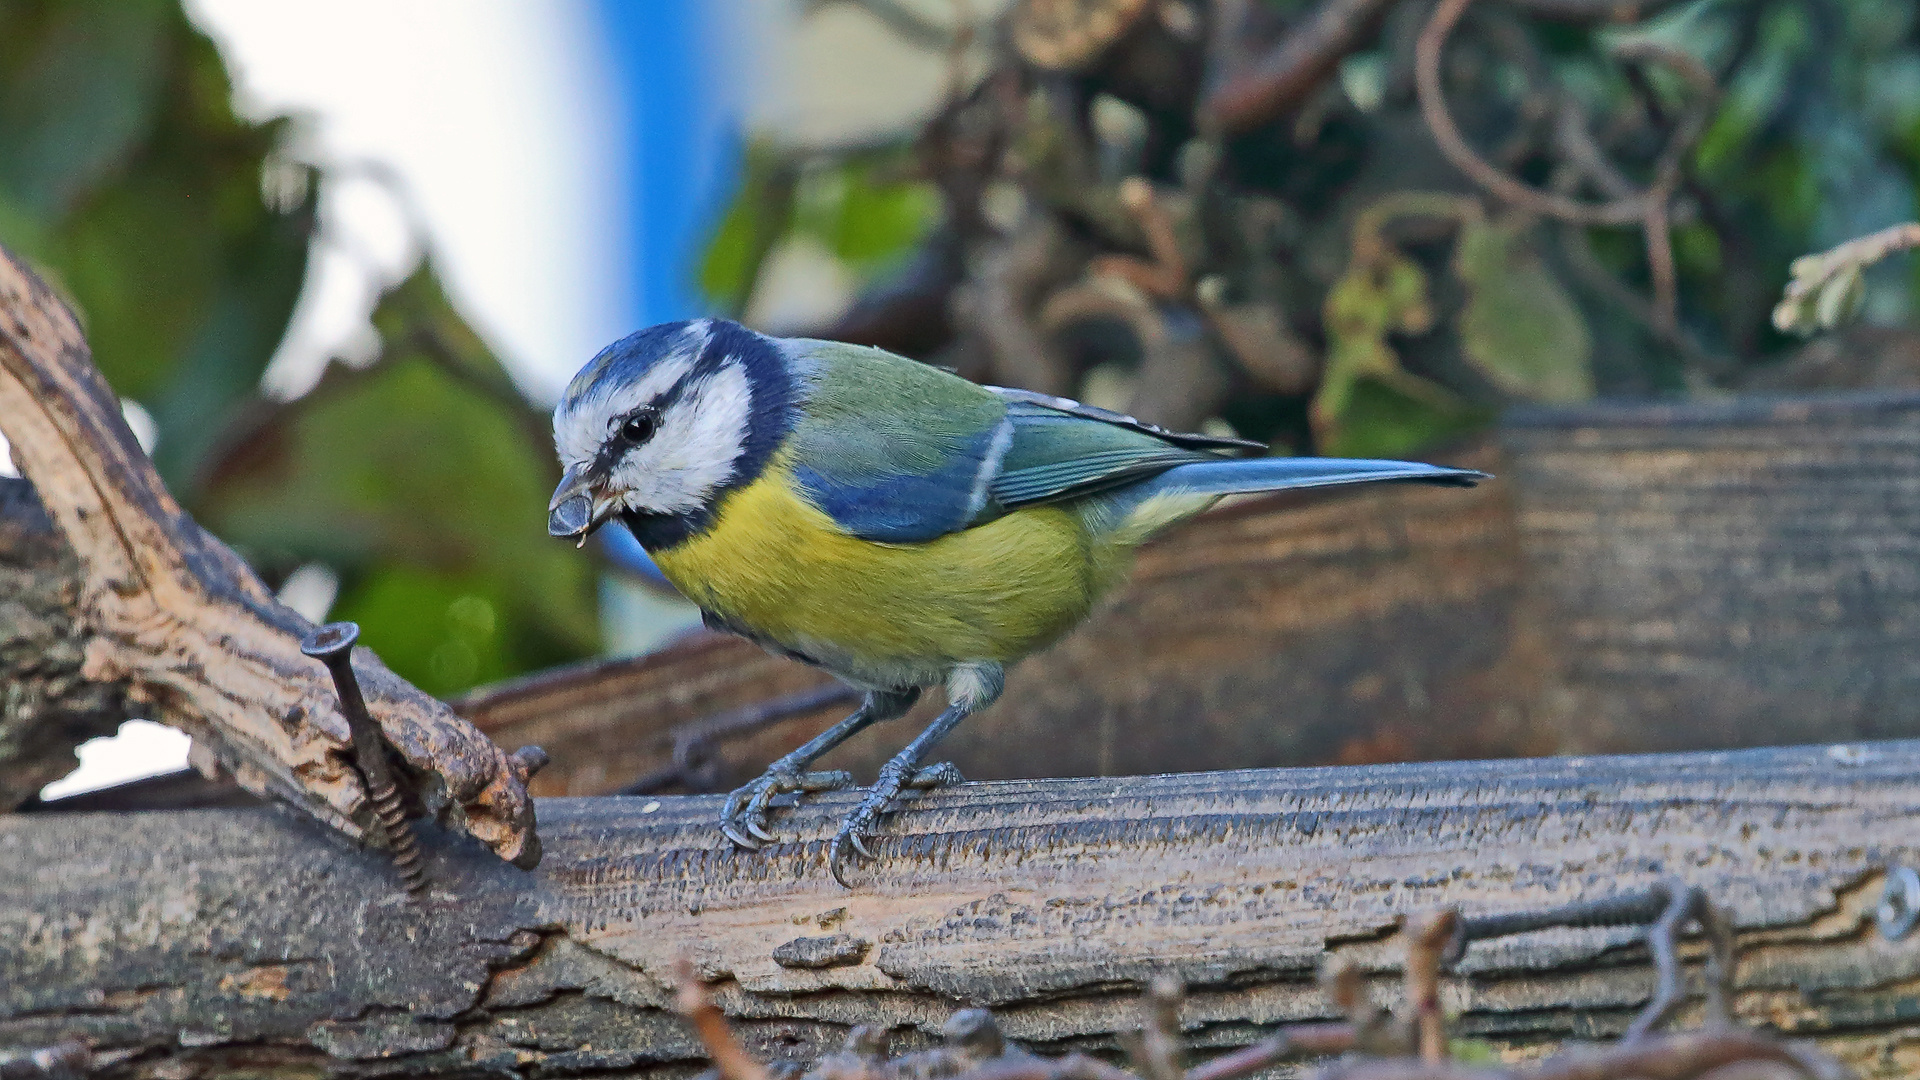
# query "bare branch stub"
(185, 624)
(1826, 286)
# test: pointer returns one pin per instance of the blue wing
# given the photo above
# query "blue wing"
(899, 452)
(1061, 450)
(891, 449)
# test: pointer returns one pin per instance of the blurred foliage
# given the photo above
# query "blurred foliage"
(1518, 325)
(182, 233)
(861, 209)
(1428, 302)
(423, 479)
(126, 175)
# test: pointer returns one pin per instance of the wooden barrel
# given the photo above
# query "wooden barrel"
(1742, 572)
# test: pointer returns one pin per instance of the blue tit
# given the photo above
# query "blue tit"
(882, 519)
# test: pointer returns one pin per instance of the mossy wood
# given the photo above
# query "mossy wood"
(220, 941)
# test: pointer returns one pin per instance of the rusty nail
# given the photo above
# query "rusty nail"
(332, 645)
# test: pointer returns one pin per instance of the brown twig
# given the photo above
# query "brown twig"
(1651, 208)
(1670, 1057)
(729, 1058)
(1669, 170)
(975, 1050)
(1427, 939)
(1160, 1048)
(1300, 1040)
(187, 623)
(1289, 73)
(1580, 258)
(1433, 108)
(1166, 275)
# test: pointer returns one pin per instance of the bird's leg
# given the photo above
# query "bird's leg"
(744, 820)
(970, 688)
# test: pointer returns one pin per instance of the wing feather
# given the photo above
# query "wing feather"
(900, 452)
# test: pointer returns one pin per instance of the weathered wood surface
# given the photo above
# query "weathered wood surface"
(47, 704)
(1727, 573)
(177, 619)
(223, 941)
(1377, 626)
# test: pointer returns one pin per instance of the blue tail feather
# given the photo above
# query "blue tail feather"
(1246, 475)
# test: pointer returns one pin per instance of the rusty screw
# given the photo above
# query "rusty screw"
(332, 645)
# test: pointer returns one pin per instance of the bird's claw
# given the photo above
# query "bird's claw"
(742, 842)
(940, 774)
(744, 819)
(858, 826)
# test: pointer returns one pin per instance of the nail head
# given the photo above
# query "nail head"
(330, 639)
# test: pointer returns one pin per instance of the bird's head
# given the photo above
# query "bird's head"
(662, 423)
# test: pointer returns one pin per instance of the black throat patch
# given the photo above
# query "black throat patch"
(770, 419)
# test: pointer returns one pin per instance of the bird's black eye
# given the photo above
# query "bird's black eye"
(639, 427)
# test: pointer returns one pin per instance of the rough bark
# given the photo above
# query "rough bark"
(175, 617)
(47, 706)
(229, 940)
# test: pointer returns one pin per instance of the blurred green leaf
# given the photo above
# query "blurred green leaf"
(181, 233)
(1397, 416)
(127, 176)
(861, 214)
(1519, 327)
(423, 480)
(858, 208)
(443, 631)
(759, 215)
(79, 86)
(1382, 293)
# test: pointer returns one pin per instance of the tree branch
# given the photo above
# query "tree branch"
(1294, 68)
(194, 939)
(180, 620)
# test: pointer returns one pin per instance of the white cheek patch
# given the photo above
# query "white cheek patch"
(580, 430)
(700, 440)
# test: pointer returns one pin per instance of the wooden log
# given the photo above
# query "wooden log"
(176, 618)
(1375, 626)
(218, 941)
(1727, 573)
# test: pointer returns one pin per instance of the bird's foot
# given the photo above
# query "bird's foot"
(744, 819)
(896, 776)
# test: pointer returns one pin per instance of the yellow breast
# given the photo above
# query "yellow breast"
(779, 565)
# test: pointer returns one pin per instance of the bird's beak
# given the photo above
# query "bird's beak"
(580, 504)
